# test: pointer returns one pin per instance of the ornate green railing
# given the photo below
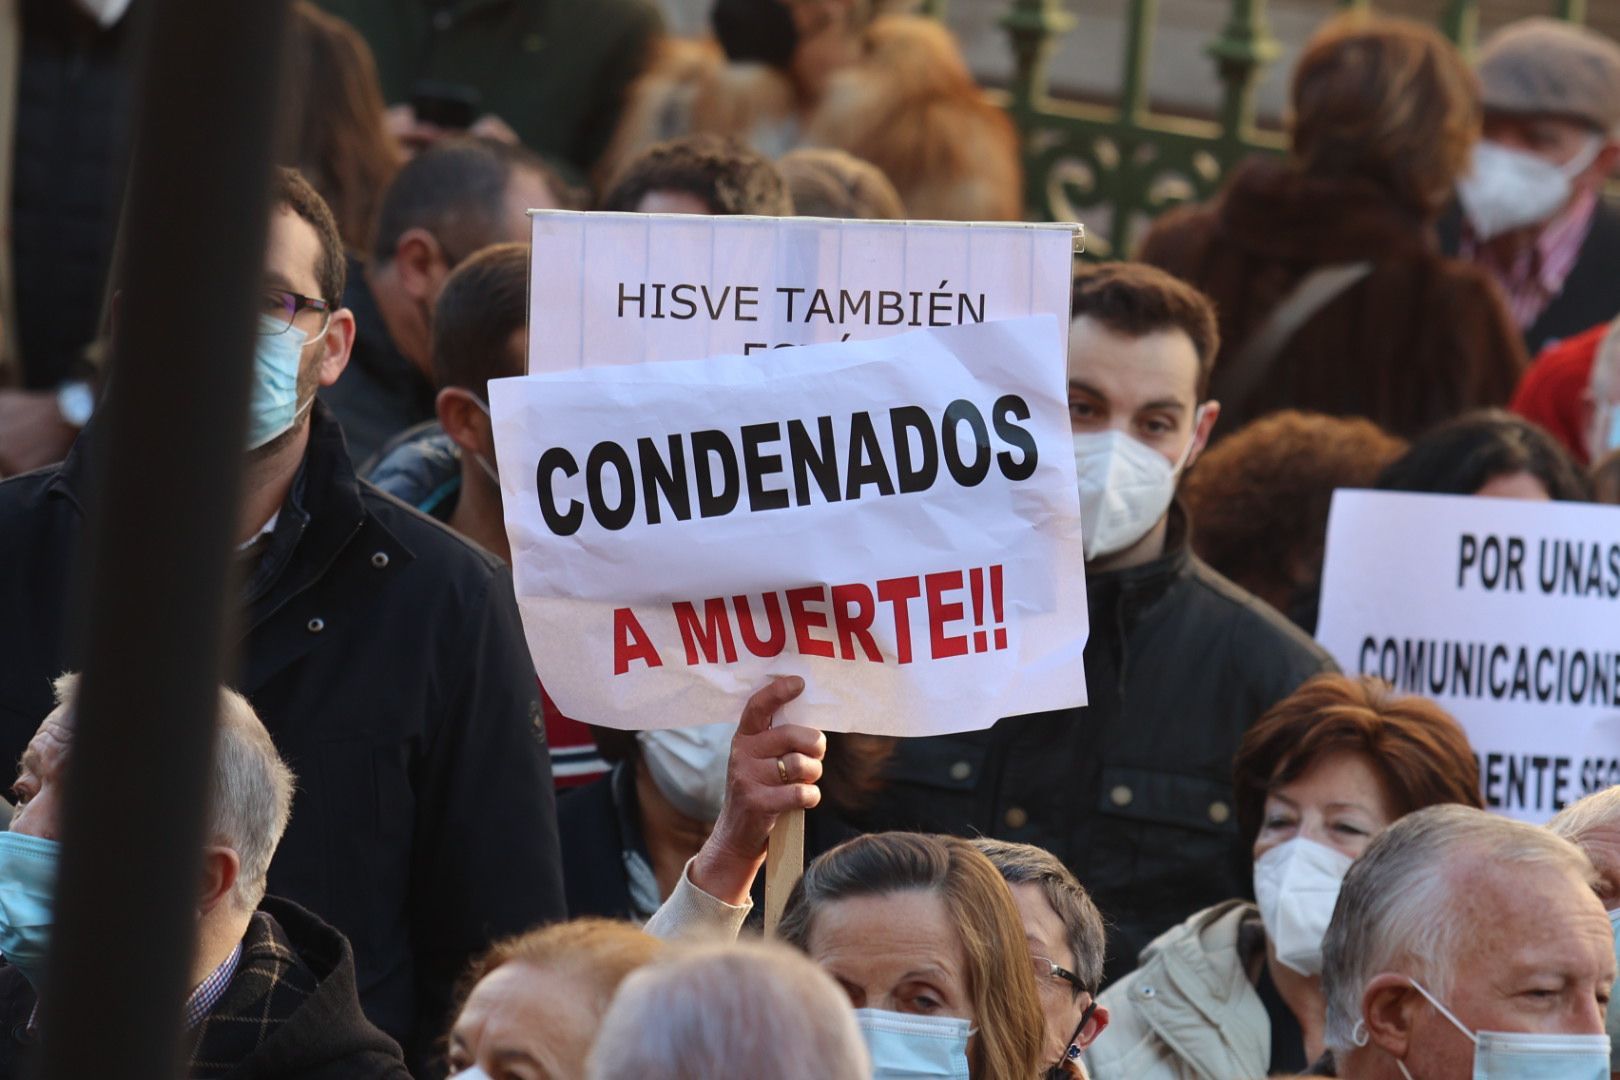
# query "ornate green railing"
(1117, 166)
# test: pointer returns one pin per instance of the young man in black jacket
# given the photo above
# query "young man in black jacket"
(1134, 791)
(383, 652)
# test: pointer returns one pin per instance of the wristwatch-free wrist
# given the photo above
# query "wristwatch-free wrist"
(76, 401)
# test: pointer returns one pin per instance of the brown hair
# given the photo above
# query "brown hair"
(1260, 496)
(292, 191)
(598, 954)
(484, 302)
(1413, 744)
(730, 177)
(1389, 101)
(831, 183)
(1001, 983)
(1134, 300)
(337, 133)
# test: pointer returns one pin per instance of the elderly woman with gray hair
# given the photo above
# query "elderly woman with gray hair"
(730, 1012)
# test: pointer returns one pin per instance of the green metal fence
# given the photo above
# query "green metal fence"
(1116, 166)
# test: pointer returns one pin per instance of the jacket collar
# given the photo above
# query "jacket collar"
(1193, 979)
(1140, 586)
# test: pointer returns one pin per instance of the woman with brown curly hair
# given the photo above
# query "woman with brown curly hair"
(1323, 772)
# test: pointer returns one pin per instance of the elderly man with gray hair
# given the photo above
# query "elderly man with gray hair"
(730, 1012)
(273, 988)
(1468, 945)
(1593, 825)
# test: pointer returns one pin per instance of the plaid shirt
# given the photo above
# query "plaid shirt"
(210, 990)
(202, 1000)
(1533, 277)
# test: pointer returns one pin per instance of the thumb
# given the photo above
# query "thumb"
(763, 705)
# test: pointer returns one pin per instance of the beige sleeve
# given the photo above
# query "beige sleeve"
(690, 914)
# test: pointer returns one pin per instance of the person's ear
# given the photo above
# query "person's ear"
(421, 264)
(1206, 424)
(1389, 1007)
(221, 866)
(463, 420)
(1093, 1027)
(336, 346)
(1602, 168)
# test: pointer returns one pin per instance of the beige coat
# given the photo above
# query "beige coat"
(1189, 1011)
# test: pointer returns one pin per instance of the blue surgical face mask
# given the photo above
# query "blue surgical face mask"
(27, 882)
(909, 1047)
(273, 407)
(1522, 1055)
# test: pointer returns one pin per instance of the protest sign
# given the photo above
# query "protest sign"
(630, 288)
(894, 520)
(1506, 612)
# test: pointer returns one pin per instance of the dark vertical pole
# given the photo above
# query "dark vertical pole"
(167, 454)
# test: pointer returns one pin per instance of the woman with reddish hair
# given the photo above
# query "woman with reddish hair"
(1323, 772)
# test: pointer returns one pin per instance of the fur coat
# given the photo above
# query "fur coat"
(908, 106)
(1418, 340)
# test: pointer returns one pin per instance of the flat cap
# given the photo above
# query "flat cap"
(1545, 65)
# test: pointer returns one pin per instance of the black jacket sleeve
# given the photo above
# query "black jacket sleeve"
(487, 860)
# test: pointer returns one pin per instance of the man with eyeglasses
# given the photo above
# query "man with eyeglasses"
(383, 653)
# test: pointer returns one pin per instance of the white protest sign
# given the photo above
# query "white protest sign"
(1506, 612)
(629, 288)
(894, 520)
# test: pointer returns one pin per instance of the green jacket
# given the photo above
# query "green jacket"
(555, 70)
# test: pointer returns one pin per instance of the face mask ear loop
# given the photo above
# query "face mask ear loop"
(1445, 1012)
(1186, 453)
(1583, 160)
(1359, 1034)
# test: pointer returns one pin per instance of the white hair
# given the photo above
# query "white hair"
(1593, 811)
(249, 794)
(730, 1012)
(1395, 907)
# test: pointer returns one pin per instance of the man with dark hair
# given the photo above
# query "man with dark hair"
(1133, 792)
(383, 653)
(446, 467)
(444, 204)
(700, 174)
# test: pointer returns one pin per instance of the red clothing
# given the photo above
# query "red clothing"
(1553, 392)
(574, 757)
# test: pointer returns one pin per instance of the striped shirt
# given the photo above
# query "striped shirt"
(1532, 277)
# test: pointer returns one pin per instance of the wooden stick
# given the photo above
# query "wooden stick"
(784, 865)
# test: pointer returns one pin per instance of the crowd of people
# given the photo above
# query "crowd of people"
(1235, 862)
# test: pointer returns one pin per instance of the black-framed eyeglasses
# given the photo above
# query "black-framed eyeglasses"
(281, 306)
(1045, 969)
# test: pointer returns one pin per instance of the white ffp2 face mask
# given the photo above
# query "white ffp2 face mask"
(1523, 1055)
(1511, 189)
(1296, 885)
(1125, 487)
(689, 766)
